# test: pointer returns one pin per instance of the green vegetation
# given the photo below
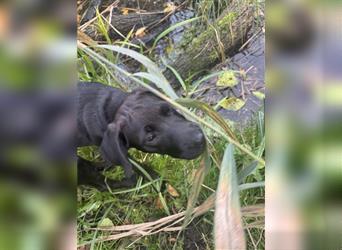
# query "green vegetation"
(175, 211)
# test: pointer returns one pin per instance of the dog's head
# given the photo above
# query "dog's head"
(150, 124)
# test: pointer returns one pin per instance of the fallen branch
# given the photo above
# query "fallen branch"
(222, 38)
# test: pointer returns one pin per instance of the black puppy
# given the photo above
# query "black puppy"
(116, 121)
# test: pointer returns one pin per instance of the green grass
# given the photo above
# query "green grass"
(142, 205)
(150, 200)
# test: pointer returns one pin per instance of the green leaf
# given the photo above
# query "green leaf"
(105, 222)
(228, 228)
(231, 103)
(259, 94)
(227, 79)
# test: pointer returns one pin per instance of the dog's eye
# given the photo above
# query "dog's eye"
(150, 137)
(148, 128)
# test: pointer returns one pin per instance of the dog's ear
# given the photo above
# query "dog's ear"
(114, 147)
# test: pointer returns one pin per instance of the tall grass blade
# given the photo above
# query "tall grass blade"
(210, 112)
(100, 62)
(196, 187)
(94, 240)
(261, 148)
(163, 202)
(170, 29)
(252, 185)
(247, 171)
(126, 42)
(228, 227)
(124, 191)
(151, 67)
(174, 71)
(148, 76)
(102, 27)
(261, 123)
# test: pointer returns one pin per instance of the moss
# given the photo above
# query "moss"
(198, 42)
(207, 36)
(227, 20)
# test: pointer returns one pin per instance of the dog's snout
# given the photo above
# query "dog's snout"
(199, 137)
(194, 125)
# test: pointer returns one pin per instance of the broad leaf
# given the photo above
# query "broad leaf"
(232, 103)
(227, 79)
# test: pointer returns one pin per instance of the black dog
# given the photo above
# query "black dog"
(116, 121)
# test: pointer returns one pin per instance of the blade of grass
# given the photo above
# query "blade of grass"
(170, 29)
(210, 112)
(156, 187)
(163, 202)
(128, 44)
(261, 123)
(141, 169)
(196, 187)
(151, 67)
(261, 148)
(136, 188)
(102, 27)
(174, 71)
(125, 42)
(152, 78)
(247, 171)
(228, 229)
(94, 240)
(106, 69)
(251, 185)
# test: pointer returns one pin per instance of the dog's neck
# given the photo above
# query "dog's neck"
(112, 104)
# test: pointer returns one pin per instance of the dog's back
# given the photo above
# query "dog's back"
(96, 107)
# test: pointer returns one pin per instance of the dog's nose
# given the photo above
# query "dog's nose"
(199, 137)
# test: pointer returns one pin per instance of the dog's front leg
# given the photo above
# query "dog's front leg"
(89, 174)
